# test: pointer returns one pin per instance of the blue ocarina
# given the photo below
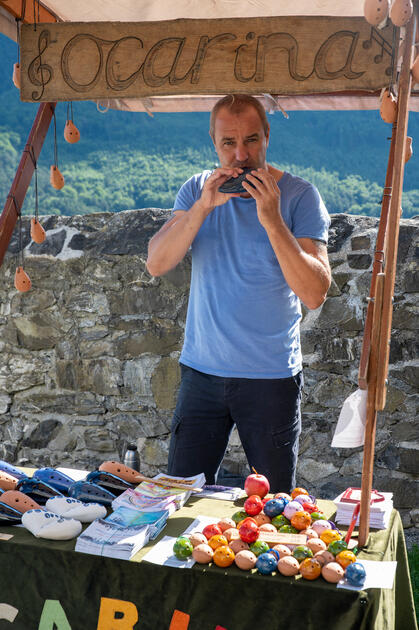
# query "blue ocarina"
(54, 478)
(90, 492)
(38, 490)
(266, 563)
(8, 515)
(109, 481)
(11, 470)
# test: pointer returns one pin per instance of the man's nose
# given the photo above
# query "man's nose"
(241, 153)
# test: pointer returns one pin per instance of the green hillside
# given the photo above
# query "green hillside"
(128, 160)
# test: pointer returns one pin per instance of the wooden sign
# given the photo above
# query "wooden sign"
(282, 55)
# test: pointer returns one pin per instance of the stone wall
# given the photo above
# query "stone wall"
(89, 357)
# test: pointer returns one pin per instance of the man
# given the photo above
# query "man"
(254, 256)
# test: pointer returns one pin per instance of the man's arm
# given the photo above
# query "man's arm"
(169, 246)
(303, 261)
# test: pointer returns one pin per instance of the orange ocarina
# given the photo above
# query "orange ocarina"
(55, 177)
(388, 107)
(408, 149)
(19, 501)
(120, 470)
(22, 283)
(71, 133)
(7, 482)
(37, 231)
(16, 75)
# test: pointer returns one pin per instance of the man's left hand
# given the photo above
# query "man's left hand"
(264, 190)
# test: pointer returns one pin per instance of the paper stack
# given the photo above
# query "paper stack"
(380, 507)
(105, 538)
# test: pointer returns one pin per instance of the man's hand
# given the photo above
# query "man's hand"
(210, 196)
(264, 190)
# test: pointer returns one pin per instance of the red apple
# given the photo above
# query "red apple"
(253, 505)
(256, 484)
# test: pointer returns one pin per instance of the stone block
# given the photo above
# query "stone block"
(313, 470)
(137, 375)
(32, 302)
(359, 261)
(165, 383)
(360, 242)
(89, 299)
(5, 401)
(41, 330)
(158, 341)
(409, 457)
(42, 434)
(40, 399)
(345, 313)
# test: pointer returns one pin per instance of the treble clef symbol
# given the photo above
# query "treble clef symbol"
(38, 69)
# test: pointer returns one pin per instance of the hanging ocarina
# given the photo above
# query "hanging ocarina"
(37, 231)
(22, 280)
(401, 12)
(388, 107)
(55, 177)
(408, 149)
(415, 70)
(375, 11)
(71, 133)
(16, 75)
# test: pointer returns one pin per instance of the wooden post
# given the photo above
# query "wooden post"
(23, 175)
(379, 351)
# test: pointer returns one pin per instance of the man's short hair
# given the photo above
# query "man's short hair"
(236, 103)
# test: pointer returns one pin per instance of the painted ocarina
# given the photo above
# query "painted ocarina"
(235, 184)
(19, 501)
(388, 107)
(37, 231)
(55, 177)
(12, 470)
(43, 524)
(91, 493)
(22, 280)
(71, 133)
(375, 11)
(115, 484)
(37, 490)
(73, 508)
(8, 481)
(120, 470)
(54, 478)
(9, 515)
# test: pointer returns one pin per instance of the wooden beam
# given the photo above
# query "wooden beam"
(23, 175)
(24, 11)
(383, 307)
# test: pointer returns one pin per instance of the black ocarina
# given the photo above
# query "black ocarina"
(234, 184)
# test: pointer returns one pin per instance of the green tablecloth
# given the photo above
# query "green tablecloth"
(33, 571)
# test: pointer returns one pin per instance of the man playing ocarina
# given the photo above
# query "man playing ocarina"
(255, 255)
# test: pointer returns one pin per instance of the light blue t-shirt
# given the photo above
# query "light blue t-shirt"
(243, 318)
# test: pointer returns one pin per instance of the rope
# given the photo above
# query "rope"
(70, 111)
(19, 214)
(31, 153)
(55, 141)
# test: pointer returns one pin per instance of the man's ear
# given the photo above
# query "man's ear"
(267, 135)
(211, 138)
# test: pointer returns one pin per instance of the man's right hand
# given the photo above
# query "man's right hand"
(210, 195)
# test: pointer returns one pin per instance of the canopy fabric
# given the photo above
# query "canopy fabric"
(156, 10)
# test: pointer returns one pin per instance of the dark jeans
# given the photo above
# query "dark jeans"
(265, 411)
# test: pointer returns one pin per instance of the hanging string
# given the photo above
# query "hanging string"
(393, 67)
(18, 39)
(55, 141)
(19, 214)
(70, 111)
(35, 166)
(35, 2)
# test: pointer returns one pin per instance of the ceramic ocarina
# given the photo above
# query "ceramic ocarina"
(16, 75)
(8, 481)
(73, 508)
(119, 470)
(91, 493)
(235, 184)
(9, 515)
(19, 501)
(375, 11)
(12, 470)
(37, 231)
(408, 149)
(55, 177)
(109, 481)
(401, 12)
(43, 524)
(388, 107)
(415, 70)
(22, 280)
(71, 133)
(38, 490)
(54, 478)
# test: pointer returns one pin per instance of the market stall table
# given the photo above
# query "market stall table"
(34, 570)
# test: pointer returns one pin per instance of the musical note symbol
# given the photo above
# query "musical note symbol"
(385, 47)
(37, 68)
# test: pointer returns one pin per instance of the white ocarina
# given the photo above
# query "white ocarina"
(48, 525)
(73, 508)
